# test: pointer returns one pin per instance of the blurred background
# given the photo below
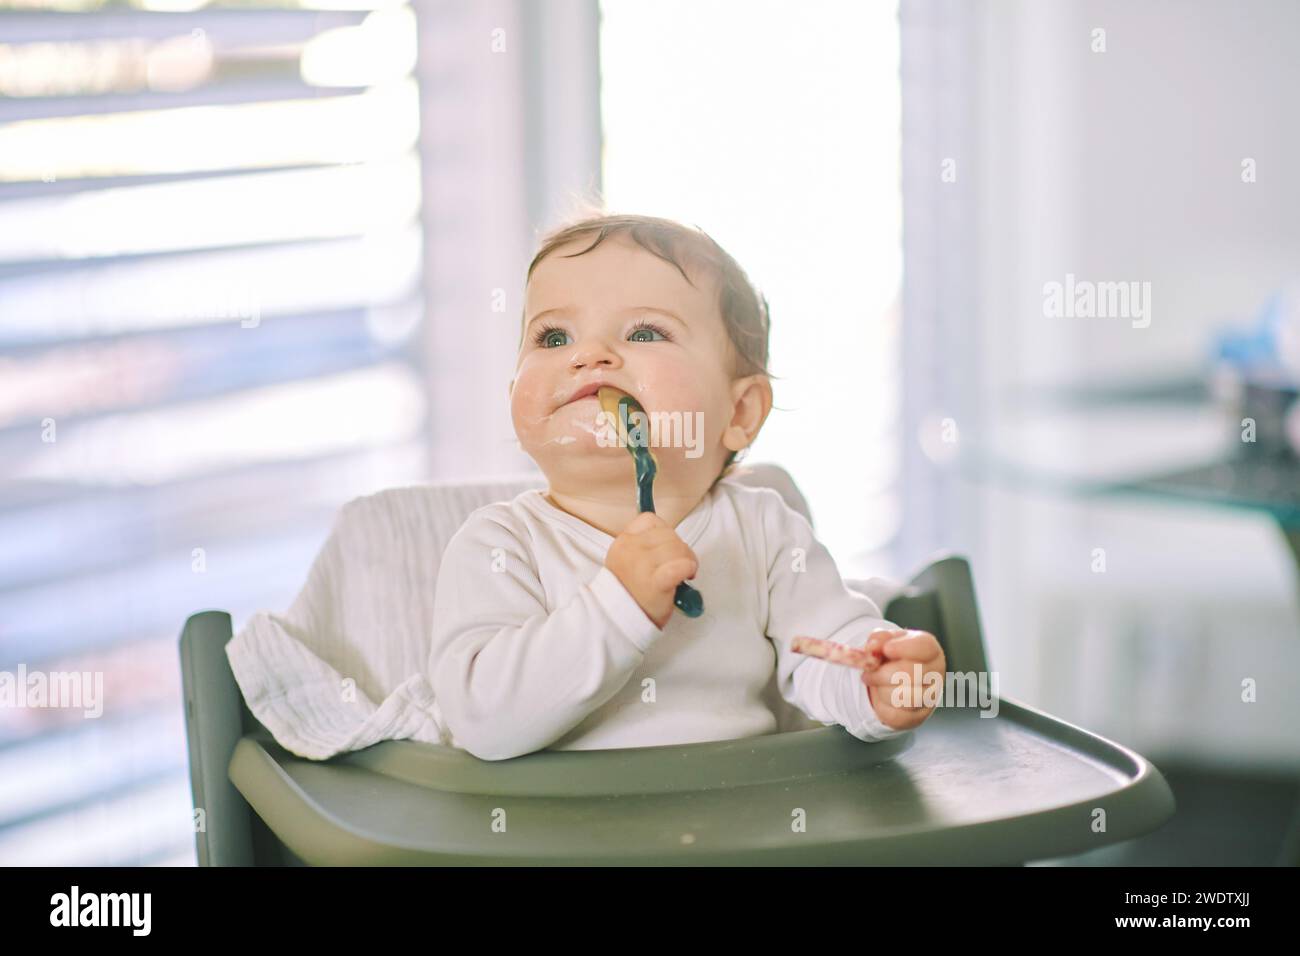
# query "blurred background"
(258, 258)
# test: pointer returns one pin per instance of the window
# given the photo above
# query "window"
(209, 340)
(775, 127)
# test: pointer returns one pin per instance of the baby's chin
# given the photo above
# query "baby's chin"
(573, 463)
(569, 444)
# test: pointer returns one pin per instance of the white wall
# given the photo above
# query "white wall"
(1126, 165)
(510, 132)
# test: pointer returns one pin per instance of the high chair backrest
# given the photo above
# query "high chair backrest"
(941, 599)
(399, 536)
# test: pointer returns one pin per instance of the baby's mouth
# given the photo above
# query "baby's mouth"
(590, 391)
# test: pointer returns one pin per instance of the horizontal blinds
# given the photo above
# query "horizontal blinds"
(210, 311)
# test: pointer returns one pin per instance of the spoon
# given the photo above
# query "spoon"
(621, 405)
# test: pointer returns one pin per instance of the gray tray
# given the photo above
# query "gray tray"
(961, 789)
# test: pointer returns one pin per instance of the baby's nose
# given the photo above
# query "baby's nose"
(594, 353)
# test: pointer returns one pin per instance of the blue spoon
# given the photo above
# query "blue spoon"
(619, 404)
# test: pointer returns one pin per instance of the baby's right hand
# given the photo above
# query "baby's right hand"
(651, 560)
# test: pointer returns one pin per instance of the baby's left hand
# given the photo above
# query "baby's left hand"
(903, 650)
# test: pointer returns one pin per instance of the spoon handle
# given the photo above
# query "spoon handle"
(686, 598)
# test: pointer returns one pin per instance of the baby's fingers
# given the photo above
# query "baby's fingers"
(877, 640)
(912, 646)
(904, 697)
(645, 521)
(674, 572)
(883, 676)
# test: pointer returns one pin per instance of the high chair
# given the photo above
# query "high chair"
(963, 788)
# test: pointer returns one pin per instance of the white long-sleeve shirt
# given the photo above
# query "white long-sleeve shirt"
(536, 644)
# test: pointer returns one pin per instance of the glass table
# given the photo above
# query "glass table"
(1248, 478)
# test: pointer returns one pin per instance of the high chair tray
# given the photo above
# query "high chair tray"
(962, 789)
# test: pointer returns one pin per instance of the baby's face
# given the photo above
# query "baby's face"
(623, 317)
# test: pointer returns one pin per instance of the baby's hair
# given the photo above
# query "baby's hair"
(742, 306)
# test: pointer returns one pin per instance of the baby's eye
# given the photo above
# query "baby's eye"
(643, 332)
(636, 333)
(547, 338)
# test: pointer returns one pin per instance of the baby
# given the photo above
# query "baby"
(554, 618)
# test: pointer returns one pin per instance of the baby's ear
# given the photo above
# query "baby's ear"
(753, 397)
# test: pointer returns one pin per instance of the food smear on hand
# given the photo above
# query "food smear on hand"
(837, 653)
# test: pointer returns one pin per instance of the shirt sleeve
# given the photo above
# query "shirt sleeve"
(509, 676)
(807, 597)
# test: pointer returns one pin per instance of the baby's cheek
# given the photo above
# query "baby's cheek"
(687, 392)
(670, 389)
(528, 408)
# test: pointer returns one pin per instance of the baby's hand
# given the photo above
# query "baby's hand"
(903, 650)
(651, 560)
